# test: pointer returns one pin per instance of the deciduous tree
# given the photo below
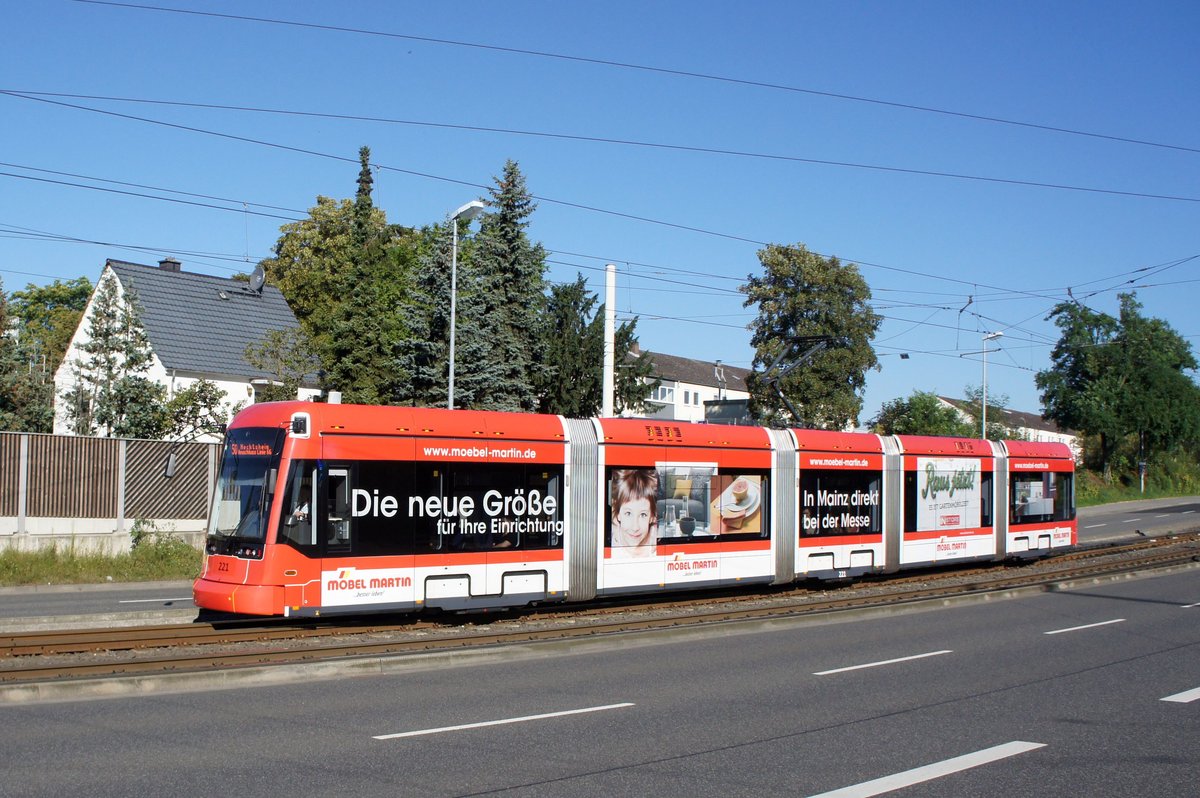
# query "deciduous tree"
(803, 295)
(49, 316)
(287, 355)
(1118, 377)
(26, 391)
(921, 413)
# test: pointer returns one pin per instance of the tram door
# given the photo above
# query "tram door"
(337, 511)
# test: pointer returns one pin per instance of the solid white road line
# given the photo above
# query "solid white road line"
(152, 601)
(1088, 626)
(1186, 697)
(930, 772)
(422, 732)
(1189, 606)
(884, 662)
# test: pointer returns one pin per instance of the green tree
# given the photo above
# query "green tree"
(366, 324)
(112, 395)
(802, 295)
(1118, 377)
(573, 346)
(26, 390)
(424, 355)
(572, 382)
(49, 316)
(997, 428)
(508, 272)
(288, 356)
(921, 413)
(346, 273)
(39, 322)
(634, 382)
(197, 410)
(310, 254)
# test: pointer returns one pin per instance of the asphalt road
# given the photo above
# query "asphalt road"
(147, 599)
(1091, 692)
(1125, 519)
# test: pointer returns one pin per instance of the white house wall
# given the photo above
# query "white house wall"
(238, 393)
(693, 410)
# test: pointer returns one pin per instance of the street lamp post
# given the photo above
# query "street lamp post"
(983, 398)
(466, 213)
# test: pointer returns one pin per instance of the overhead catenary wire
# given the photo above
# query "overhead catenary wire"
(654, 69)
(633, 143)
(915, 323)
(482, 187)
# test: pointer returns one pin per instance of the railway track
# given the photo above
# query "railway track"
(65, 655)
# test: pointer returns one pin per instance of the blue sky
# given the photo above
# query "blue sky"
(712, 129)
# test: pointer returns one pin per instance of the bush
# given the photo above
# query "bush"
(155, 555)
(1174, 474)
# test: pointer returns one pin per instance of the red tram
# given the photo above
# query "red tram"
(326, 508)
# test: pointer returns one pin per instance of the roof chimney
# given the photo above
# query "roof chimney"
(170, 265)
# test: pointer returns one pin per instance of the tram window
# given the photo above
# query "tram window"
(468, 507)
(337, 498)
(380, 503)
(297, 526)
(947, 493)
(1041, 497)
(840, 502)
(691, 503)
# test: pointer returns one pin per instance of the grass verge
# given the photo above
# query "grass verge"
(155, 556)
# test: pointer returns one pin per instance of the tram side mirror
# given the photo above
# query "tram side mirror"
(169, 467)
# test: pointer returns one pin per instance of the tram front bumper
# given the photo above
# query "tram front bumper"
(240, 599)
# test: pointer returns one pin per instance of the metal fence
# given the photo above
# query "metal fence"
(91, 491)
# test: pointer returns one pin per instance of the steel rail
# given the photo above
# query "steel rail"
(570, 627)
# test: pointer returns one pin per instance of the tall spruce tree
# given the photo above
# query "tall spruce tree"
(573, 344)
(112, 395)
(365, 326)
(425, 311)
(510, 274)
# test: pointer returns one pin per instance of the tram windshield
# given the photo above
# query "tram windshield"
(249, 466)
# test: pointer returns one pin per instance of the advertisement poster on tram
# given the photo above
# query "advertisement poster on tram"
(948, 494)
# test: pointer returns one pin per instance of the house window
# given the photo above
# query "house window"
(687, 397)
(665, 394)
